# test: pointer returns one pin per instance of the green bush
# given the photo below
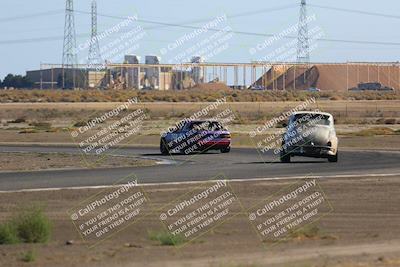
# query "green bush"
(80, 124)
(29, 226)
(308, 231)
(166, 238)
(29, 256)
(8, 234)
(33, 226)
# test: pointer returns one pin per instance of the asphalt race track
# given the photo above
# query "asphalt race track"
(241, 163)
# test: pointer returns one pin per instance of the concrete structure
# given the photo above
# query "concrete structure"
(52, 78)
(197, 73)
(131, 59)
(132, 77)
(152, 77)
(96, 78)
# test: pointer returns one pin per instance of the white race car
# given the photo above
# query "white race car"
(310, 134)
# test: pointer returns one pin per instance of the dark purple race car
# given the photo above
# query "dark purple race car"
(196, 136)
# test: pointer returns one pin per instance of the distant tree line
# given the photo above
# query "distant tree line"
(16, 81)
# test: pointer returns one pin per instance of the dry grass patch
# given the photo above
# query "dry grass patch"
(375, 131)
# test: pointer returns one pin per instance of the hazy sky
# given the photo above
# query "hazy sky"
(25, 42)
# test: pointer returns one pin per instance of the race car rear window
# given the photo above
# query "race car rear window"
(312, 119)
(206, 126)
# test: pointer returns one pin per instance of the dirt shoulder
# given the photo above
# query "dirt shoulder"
(361, 230)
(21, 161)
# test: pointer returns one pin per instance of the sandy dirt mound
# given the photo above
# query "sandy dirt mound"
(332, 77)
(343, 77)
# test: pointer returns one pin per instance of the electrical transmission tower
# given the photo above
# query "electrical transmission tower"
(94, 57)
(69, 58)
(303, 47)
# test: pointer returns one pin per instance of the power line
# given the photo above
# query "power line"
(179, 25)
(356, 11)
(56, 38)
(243, 14)
(261, 11)
(34, 15)
(252, 33)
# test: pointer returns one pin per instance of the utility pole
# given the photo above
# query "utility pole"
(303, 47)
(94, 57)
(69, 58)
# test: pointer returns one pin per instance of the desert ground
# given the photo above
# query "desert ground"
(361, 230)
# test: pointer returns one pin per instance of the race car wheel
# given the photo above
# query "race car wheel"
(186, 152)
(333, 158)
(163, 147)
(285, 158)
(226, 149)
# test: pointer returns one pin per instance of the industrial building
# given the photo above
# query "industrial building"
(52, 78)
(131, 74)
(153, 75)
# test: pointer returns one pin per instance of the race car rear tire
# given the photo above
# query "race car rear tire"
(333, 158)
(226, 149)
(163, 147)
(285, 158)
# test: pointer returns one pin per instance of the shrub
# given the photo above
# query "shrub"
(41, 125)
(380, 121)
(29, 256)
(375, 131)
(29, 226)
(204, 92)
(8, 234)
(334, 98)
(308, 231)
(19, 120)
(80, 124)
(28, 131)
(32, 226)
(390, 121)
(166, 238)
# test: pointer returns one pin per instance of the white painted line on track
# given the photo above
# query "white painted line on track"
(199, 182)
